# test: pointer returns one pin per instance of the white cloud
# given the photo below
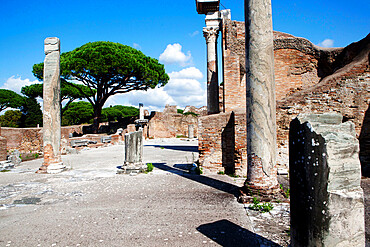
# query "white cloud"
(136, 46)
(173, 54)
(16, 84)
(194, 34)
(327, 43)
(182, 89)
(188, 73)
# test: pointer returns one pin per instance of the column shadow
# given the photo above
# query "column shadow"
(228, 234)
(217, 184)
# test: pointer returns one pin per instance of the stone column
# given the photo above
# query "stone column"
(190, 131)
(141, 110)
(326, 199)
(51, 112)
(211, 34)
(260, 95)
(133, 153)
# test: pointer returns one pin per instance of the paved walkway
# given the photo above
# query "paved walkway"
(90, 205)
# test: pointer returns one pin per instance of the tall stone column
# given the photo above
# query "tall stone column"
(51, 112)
(260, 95)
(211, 34)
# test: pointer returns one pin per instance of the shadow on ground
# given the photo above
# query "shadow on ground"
(228, 234)
(177, 148)
(217, 184)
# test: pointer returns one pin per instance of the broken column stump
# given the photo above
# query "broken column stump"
(133, 153)
(191, 131)
(51, 109)
(327, 205)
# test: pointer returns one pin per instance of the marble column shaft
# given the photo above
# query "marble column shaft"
(260, 94)
(211, 35)
(51, 108)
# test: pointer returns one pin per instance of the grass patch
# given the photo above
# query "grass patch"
(221, 173)
(262, 207)
(149, 167)
(5, 171)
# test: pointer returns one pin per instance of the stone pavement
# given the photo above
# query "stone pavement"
(91, 205)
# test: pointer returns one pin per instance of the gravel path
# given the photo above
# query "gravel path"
(90, 205)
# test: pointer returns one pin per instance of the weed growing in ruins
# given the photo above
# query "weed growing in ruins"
(35, 155)
(149, 167)
(286, 192)
(5, 171)
(181, 136)
(161, 147)
(199, 170)
(221, 173)
(262, 207)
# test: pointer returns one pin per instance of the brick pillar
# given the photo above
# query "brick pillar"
(211, 34)
(51, 112)
(260, 95)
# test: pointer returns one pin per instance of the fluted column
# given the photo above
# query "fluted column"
(260, 94)
(51, 108)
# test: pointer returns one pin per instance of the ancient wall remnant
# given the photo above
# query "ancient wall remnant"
(219, 148)
(169, 123)
(326, 205)
(308, 79)
(51, 108)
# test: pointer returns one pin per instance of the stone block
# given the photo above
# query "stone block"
(133, 153)
(327, 207)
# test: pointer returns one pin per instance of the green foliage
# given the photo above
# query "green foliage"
(110, 114)
(180, 111)
(78, 113)
(262, 207)
(191, 113)
(118, 111)
(127, 111)
(11, 118)
(109, 68)
(8, 98)
(32, 114)
(68, 91)
(221, 173)
(199, 170)
(285, 191)
(5, 171)
(35, 155)
(149, 167)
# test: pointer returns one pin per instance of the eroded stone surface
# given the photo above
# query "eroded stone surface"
(260, 96)
(327, 205)
(51, 107)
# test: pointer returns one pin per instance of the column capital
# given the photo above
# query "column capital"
(211, 34)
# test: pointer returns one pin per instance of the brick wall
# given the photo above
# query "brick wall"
(169, 123)
(308, 79)
(220, 149)
(29, 140)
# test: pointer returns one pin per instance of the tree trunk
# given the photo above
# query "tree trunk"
(97, 116)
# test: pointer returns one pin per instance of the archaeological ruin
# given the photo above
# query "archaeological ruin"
(51, 112)
(308, 78)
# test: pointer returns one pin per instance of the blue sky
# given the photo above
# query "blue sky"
(153, 27)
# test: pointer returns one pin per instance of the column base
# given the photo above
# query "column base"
(132, 168)
(264, 194)
(52, 168)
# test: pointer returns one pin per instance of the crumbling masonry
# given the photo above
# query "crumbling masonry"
(308, 79)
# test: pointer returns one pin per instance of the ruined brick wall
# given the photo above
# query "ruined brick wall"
(28, 140)
(308, 79)
(220, 149)
(169, 123)
(234, 65)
